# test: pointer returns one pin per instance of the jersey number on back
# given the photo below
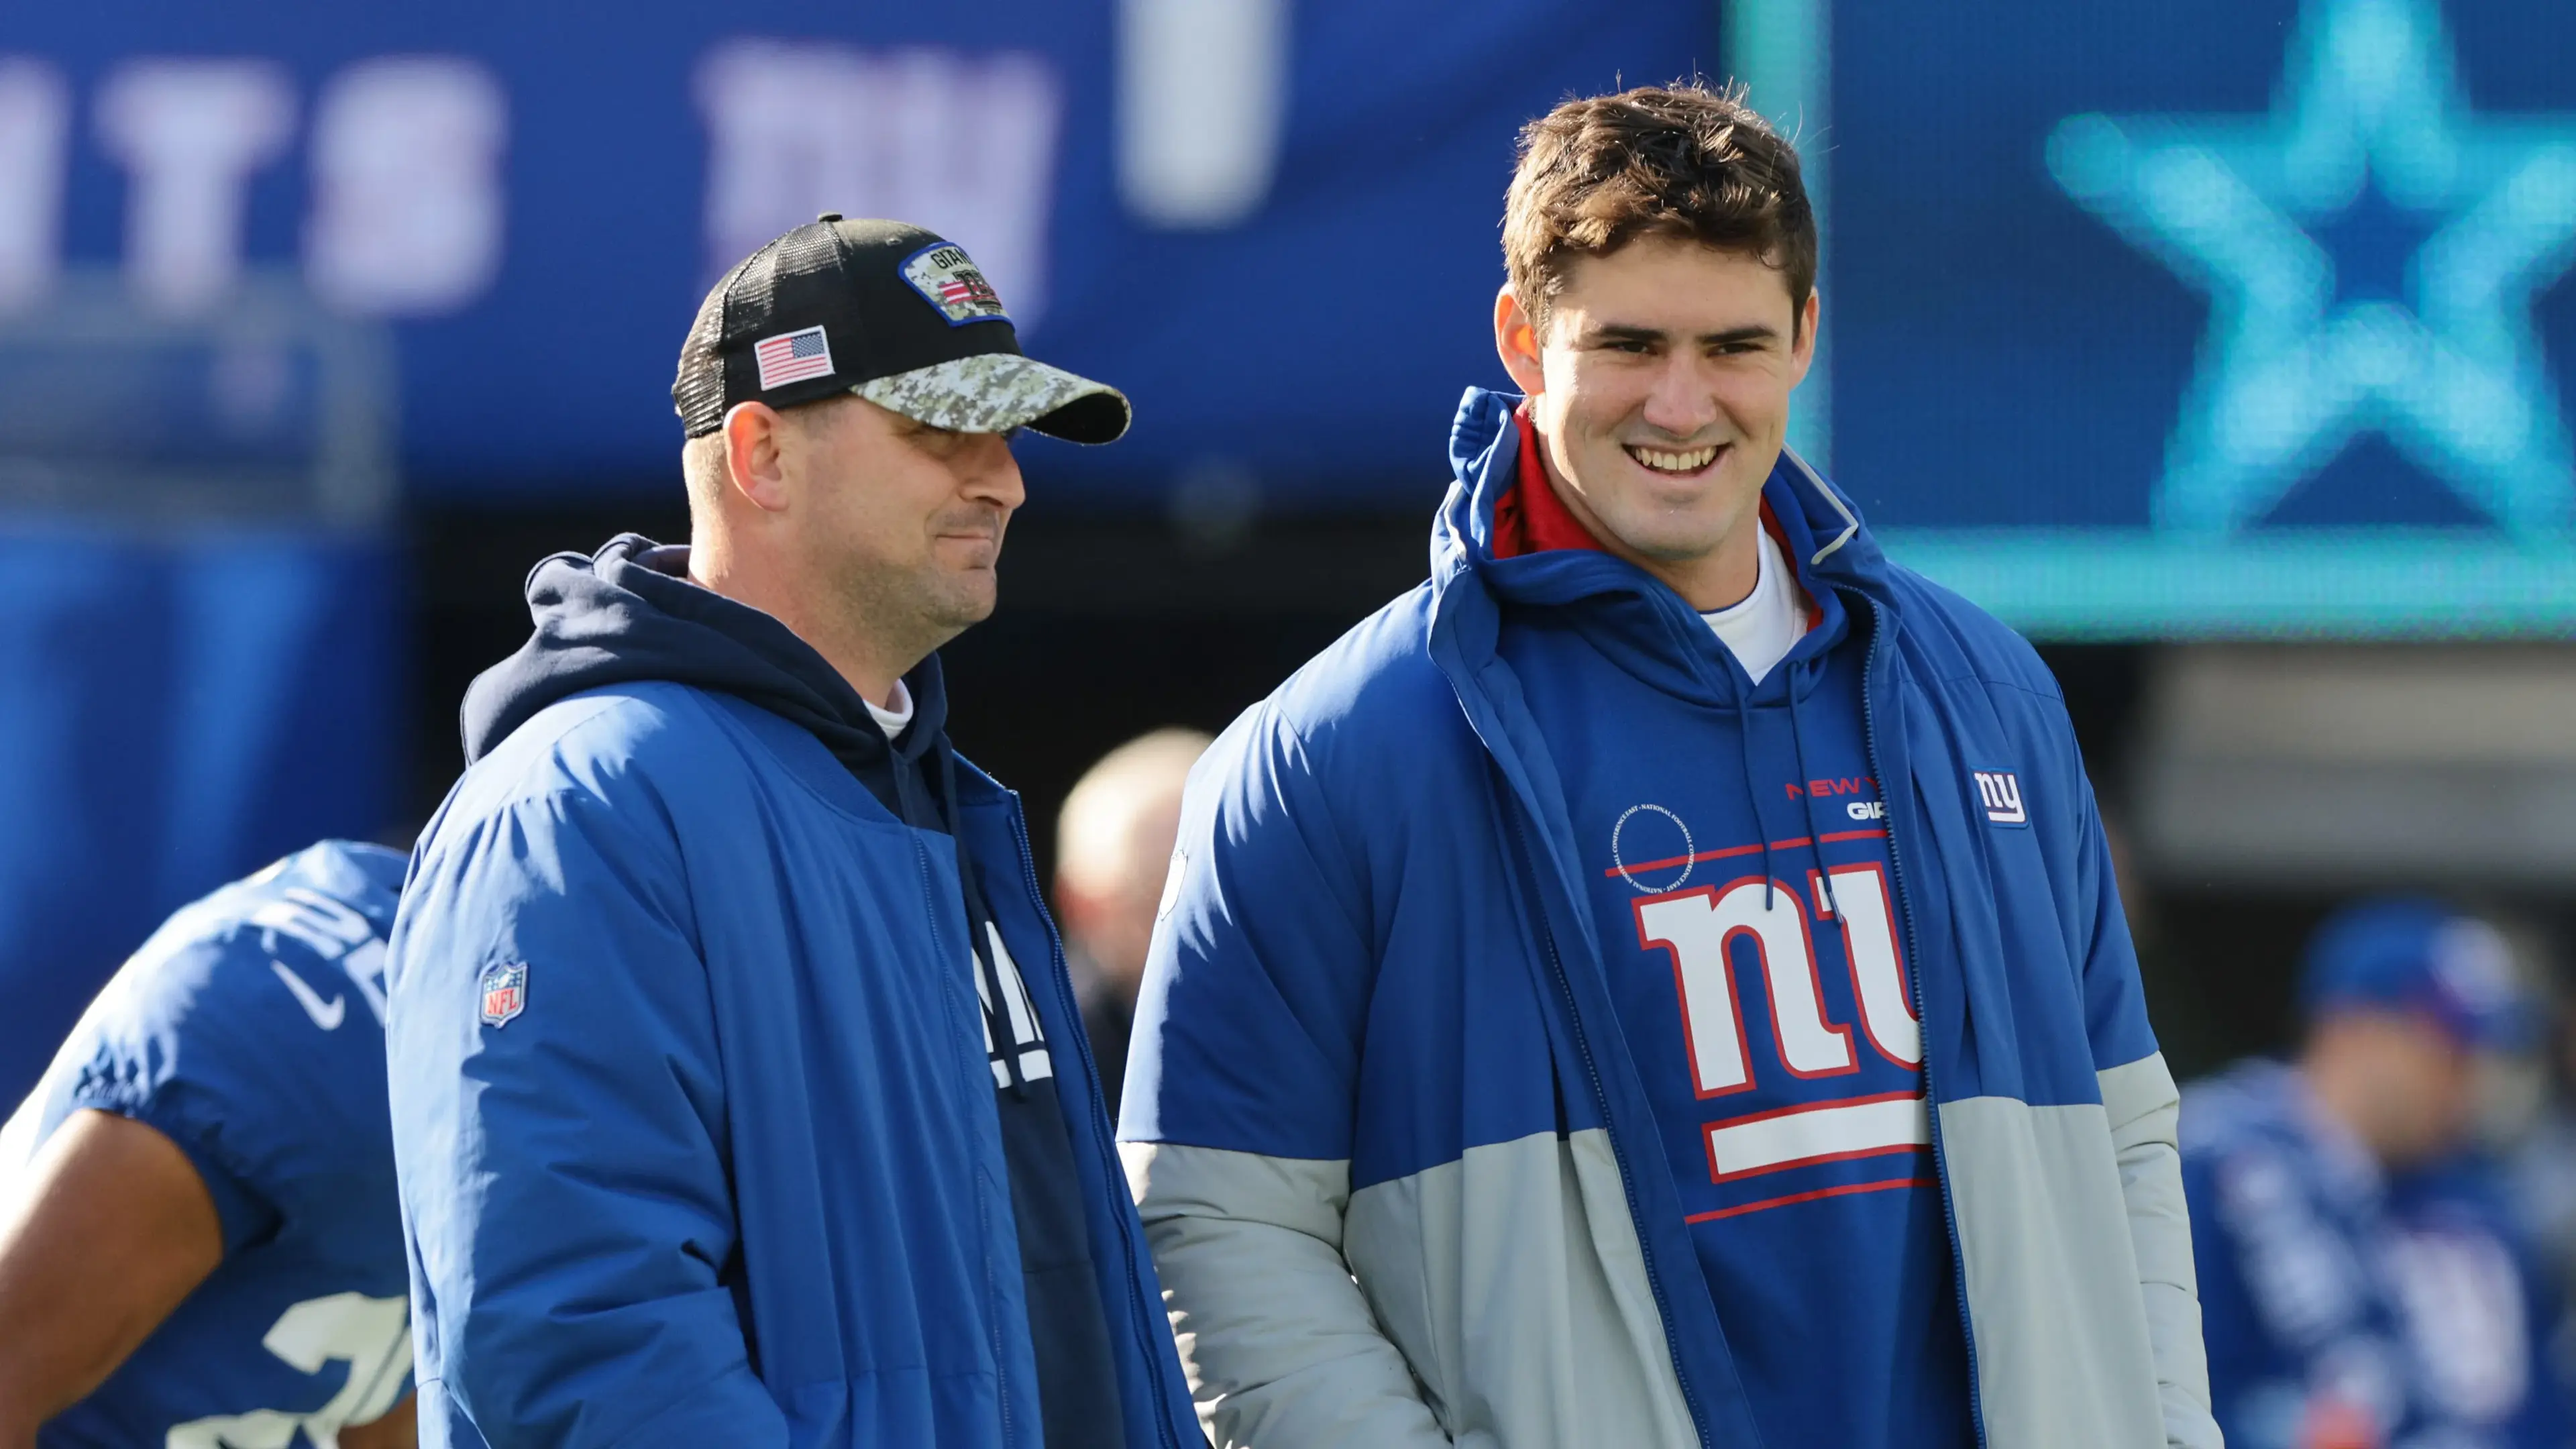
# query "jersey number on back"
(371, 1335)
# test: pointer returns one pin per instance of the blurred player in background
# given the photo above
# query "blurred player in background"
(1113, 853)
(1660, 982)
(2543, 1155)
(200, 1246)
(2362, 1281)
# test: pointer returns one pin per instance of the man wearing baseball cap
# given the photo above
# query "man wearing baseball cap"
(738, 1092)
(2361, 1283)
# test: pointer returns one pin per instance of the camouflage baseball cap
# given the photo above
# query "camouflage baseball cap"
(886, 310)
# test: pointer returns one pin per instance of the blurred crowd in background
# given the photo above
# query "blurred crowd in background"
(2227, 348)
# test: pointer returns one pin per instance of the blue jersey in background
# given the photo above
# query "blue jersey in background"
(2476, 1308)
(249, 1030)
(2410, 1300)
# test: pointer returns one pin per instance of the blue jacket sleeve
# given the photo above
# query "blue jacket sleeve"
(1249, 1023)
(1238, 1110)
(565, 1170)
(2115, 1000)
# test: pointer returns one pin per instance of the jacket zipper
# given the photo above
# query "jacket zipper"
(1914, 955)
(1057, 981)
(983, 1210)
(1601, 1100)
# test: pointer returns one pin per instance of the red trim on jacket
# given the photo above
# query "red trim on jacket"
(1530, 518)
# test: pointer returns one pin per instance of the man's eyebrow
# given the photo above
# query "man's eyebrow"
(1758, 332)
(1621, 332)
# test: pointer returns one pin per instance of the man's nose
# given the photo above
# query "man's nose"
(988, 472)
(1681, 402)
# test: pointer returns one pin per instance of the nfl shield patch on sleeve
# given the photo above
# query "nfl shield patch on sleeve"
(505, 992)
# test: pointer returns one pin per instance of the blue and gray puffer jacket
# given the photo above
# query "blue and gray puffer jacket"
(1401, 1177)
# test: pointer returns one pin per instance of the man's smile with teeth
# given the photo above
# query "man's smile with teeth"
(1665, 460)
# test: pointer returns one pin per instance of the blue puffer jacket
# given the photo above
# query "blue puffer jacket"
(1396, 1158)
(691, 1101)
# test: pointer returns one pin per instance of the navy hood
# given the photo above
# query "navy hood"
(629, 614)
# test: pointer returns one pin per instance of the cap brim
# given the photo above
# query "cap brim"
(994, 392)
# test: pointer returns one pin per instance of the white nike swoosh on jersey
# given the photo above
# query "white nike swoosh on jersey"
(325, 1014)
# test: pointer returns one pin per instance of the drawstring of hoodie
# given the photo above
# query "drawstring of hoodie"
(1744, 737)
(997, 1006)
(1807, 795)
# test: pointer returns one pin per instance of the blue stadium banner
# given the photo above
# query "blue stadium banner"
(1273, 223)
(2217, 317)
(180, 709)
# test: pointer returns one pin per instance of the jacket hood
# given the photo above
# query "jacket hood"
(628, 614)
(1637, 620)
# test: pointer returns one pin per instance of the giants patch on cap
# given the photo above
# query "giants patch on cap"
(793, 357)
(949, 281)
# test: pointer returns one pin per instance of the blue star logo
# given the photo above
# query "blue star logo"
(2299, 362)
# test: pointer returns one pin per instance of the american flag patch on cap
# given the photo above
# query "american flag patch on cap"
(793, 357)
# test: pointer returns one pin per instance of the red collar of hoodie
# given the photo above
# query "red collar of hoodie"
(1530, 518)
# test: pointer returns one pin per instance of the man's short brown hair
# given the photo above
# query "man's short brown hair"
(1680, 161)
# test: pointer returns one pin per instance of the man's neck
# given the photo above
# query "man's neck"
(873, 666)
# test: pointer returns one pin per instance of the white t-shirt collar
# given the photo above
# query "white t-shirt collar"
(1762, 627)
(893, 720)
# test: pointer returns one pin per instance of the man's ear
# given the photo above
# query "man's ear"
(1802, 352)
(753, 467)
(1516, 341)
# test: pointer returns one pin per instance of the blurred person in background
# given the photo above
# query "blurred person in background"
(1558, 1035)
(1113, 853)
(200, 1245)
(2363, 1283)
(738, 1089)
(2543, 1163)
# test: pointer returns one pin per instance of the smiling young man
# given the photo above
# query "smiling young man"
(1660, 982)
(739, 1096)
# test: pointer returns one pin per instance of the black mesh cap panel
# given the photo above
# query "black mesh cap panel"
(698, 394)
(830, 306)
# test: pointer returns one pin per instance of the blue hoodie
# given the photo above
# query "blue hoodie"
(694, 1096)
(1735, 860)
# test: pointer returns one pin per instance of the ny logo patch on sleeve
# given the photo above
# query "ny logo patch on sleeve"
(2000, 792)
